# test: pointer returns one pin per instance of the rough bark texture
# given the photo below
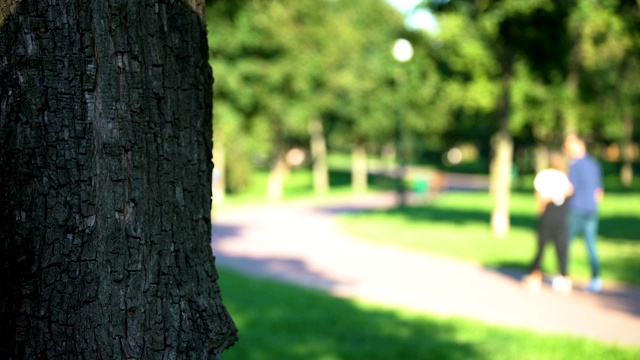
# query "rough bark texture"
(105, 123)
(7, 7)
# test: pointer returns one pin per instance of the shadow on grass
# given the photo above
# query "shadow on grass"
(451, 215)
(620, 227)
(513, 270)
(277, 321)
(626, 267)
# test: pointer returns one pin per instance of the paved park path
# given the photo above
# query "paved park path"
(300, 243)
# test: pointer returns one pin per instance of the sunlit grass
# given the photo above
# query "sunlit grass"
(278, 321)
(298, 184)
(457, 225)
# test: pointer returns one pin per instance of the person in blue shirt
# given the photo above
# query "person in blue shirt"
(585, 174)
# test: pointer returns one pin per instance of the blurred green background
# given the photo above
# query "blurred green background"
(311, 100)
(319, 77)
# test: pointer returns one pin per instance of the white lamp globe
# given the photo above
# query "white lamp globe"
(402, 50)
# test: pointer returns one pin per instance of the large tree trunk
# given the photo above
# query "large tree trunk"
(105, 123)
(319, 157)
(359, 168)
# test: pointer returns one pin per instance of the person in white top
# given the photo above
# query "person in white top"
(552, 187)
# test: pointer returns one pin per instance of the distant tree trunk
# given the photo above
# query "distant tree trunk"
(359, 168)
(277, 175)
(502, 162)
(105, 124)
(389, 157)
(541, 157)
(501, 183)
(626, 172)
(572, 81)
(541, 150)
(319, 157)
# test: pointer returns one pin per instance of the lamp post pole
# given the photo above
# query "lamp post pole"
(402, 52)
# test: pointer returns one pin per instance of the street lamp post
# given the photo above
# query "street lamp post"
(402, 52)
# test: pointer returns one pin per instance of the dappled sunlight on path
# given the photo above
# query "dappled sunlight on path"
(301, 244)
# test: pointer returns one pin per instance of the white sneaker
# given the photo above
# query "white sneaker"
(561, 284)
(595, 285)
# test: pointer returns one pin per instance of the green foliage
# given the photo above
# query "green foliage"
(535, 104)
(278, 321)
(279, 63)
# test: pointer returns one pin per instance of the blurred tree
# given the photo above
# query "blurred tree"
(481, 76)
(610, 61)
(105, 126)
(629, 89)
(294, 71)
(268, 66)
(515, 52)
(536, 110)
(356, 93)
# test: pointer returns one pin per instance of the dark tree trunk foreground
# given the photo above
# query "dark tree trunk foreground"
(105, 183)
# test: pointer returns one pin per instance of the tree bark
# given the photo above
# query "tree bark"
(319, 157)
(105, 123)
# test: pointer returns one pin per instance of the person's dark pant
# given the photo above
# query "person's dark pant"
(552, 225)
(587, 226)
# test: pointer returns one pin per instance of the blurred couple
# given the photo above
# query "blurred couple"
(567, 199)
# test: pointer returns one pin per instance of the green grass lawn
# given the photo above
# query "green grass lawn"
(279, 321)
(457, 225)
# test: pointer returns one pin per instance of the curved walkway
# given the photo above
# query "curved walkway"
(300, 243)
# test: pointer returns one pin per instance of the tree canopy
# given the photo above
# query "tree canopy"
(571, 65)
